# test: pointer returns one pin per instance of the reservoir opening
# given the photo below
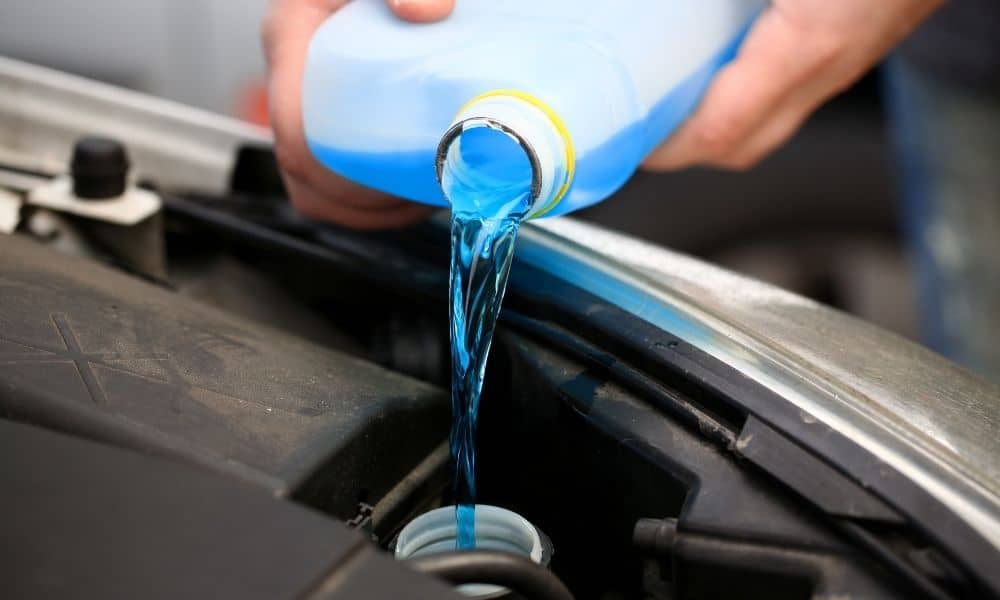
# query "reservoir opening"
(497, 528)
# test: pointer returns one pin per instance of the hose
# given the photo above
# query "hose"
(511, 571)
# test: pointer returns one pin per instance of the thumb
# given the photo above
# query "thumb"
(421, 11)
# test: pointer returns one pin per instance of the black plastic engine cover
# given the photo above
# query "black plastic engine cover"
(86, 520)
(90, 351)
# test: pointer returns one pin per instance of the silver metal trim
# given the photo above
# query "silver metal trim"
(43, 112)
(935, 423)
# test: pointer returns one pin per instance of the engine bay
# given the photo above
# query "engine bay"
(309, 363)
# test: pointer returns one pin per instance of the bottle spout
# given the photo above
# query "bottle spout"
(514, 140)
(448, 151)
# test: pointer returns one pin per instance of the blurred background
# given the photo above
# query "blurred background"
(205, 53)
(818, 217)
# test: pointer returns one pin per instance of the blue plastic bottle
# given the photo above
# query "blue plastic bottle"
(507, 110)
(586, 88)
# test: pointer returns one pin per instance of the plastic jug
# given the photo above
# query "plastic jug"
(585, 88)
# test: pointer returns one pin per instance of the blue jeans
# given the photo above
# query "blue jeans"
(947, 143)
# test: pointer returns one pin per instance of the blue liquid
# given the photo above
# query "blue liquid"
(488, 186)
(488, 189)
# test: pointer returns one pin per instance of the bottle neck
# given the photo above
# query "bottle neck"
(535, 129)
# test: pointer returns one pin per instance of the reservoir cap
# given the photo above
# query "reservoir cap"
(99, 168)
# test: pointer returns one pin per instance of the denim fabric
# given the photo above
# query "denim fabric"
(947, 142)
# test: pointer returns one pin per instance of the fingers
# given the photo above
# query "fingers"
(745, 94)
(382, 212)
(796, 56)
(288, 27)
(785, 119)
(421, 11)
(315, 191)
(773, 133)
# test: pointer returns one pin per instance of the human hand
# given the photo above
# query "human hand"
(315, 191)
(798, 54)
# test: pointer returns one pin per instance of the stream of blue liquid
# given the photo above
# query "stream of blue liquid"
(487, 181)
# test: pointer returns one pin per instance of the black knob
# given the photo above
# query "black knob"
(99, 167)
